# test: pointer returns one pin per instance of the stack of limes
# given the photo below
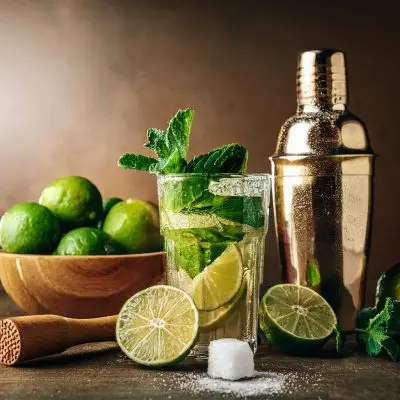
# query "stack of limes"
(71, 219)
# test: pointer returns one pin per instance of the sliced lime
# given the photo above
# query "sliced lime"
(296, 318)
(157, 326)
(219, 282)
(209, 320)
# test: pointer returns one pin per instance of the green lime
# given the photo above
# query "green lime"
(158, 326)
(87, 241)
(29, 228)
(209, 320)
(107, 206)
(219, 282)
(135, 225)
(296, 318)
(74, 200)
(388, 286)
(110, 203)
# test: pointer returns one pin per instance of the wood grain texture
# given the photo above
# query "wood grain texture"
(81, 287)
(28, 337)
(100, 371)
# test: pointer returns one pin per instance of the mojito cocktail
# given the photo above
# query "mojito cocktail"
(214, 226)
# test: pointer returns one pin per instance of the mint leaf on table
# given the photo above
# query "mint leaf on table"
(229, 158)
(383, 331)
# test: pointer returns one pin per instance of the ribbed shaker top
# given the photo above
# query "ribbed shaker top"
(321, 78)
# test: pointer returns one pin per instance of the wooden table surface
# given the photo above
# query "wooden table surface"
(100, 371)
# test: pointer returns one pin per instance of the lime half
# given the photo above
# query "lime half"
(209, 320)
(296, 318)
(157, 326)
(219, 282)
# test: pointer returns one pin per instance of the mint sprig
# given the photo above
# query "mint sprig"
(171, 148)
(382, 333)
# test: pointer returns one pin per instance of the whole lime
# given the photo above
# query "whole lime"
(107, 206)
(110, 203)
(388, 285)
(135, 225)
(87, 241)
(29, 228)
(74, 200)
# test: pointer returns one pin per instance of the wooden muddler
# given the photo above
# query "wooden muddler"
(29, 337)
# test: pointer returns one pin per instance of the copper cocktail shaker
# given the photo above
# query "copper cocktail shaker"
(323, 187)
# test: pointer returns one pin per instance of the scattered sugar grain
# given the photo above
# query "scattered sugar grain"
(263, 383)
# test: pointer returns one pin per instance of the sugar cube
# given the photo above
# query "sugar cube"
(230, 359)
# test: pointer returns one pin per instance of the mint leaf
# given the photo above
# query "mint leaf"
(194, 248)
(383, 331)
(137, 161)
(178, 131)
(175, 138)
(172, 164)
(244, 210)
(229, 158)
(176, 195)
(170, 146)
(313, 275)
(391, 348)
(157, 141)
(213, 235)
(364, 316)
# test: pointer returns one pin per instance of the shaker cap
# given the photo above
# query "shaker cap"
(321, 78)
(323, 126)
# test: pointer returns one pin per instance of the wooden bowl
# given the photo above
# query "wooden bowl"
(77, 286)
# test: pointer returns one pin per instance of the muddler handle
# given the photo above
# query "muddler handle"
(28, 337)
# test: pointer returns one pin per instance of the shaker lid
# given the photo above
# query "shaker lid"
(321, 77)
(323, 126)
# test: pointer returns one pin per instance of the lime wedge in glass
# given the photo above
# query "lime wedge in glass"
(218, 283)
(209, 320)
(295, 318)
(158, 326)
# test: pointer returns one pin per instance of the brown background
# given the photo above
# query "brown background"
(82, 80)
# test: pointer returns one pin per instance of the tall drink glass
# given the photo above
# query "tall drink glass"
(214, 226)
